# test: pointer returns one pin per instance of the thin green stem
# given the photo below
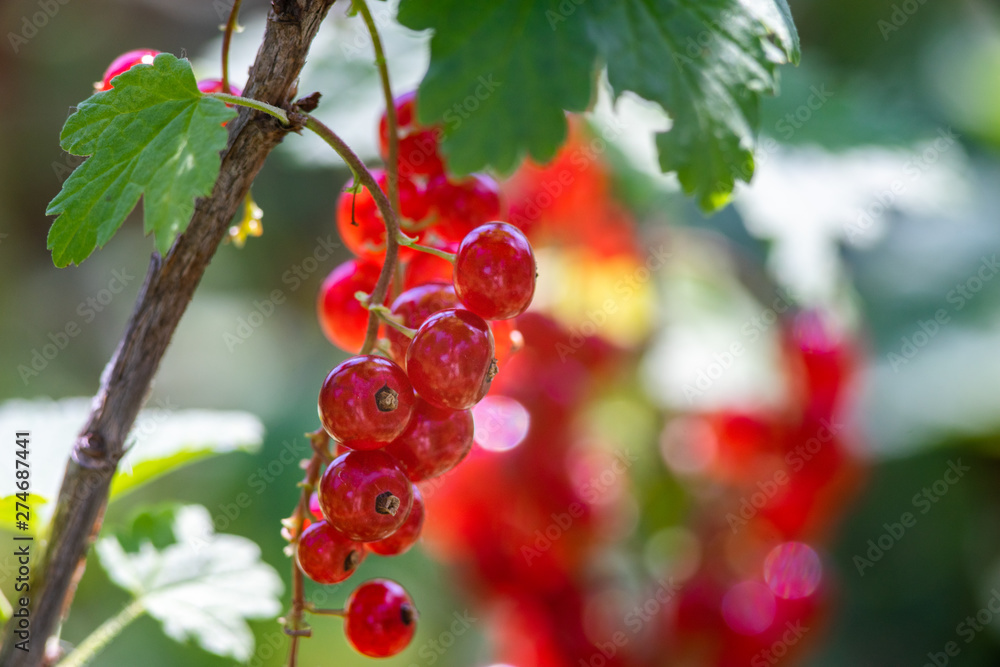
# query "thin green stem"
(392, 123)
(313, 609)
(102, 636)
(269, 109)
(410, 243)
(227, 38)
(361, 172)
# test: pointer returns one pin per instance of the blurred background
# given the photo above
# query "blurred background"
(866, 245)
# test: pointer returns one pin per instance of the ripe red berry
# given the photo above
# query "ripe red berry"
(450, 361)
(124, 62)
(413, 307)
(407, 535)
(464, 205)
(360, 223)
(343, 319)
(418, 145)
(215, 86)
(365, 495)
(381, 618)
(326, 555)
(434, 442)
(366, 402)
(495, 271)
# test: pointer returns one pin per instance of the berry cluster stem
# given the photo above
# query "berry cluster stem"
(392, 122)
(227, 38)
(388, 215)
(293, 622)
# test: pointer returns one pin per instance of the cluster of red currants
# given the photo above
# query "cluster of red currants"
(406, 417)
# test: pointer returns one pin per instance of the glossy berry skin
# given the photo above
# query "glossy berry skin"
(360, 223)
(366, 402)
(124, 62)
(326, 555)
(434, 442)
(365, 495)
(495, 271)
(343, 319)
(464, 205)
(450, 360)
(407, 535)
(413, 307)
(381, 618)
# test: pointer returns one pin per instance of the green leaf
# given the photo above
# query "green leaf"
(153, 135)
(705, 62)
(501, 74)
(160, 441)
(200, 585)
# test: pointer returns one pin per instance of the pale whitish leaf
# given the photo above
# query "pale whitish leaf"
(203, 587)
(161, 440)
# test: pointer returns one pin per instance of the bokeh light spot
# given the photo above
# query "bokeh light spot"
(501, 423)
(793, 570)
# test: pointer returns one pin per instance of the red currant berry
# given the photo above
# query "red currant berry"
(434, 442)
(407, 535)
(343, 319)
(381, 618)
(215, 86)
(124, 62)
(413, 307)
(419, 154)
(495, 271)
(405, 117)
(366, 402)
(360, 223)
(418, 145)
(365, 495)
(450, 361)
(326, 555)
(463, 206)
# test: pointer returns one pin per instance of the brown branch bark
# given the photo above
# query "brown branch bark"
(170, 283)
